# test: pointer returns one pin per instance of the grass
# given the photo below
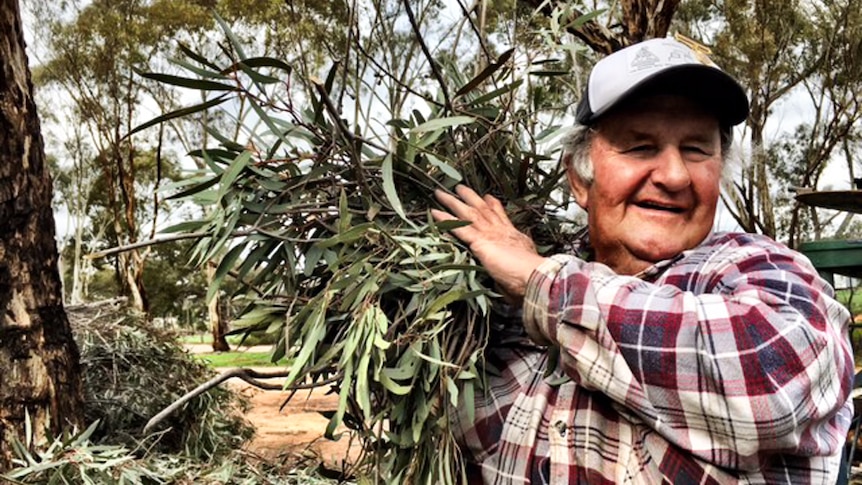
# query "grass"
(845, 295)
(241, 359)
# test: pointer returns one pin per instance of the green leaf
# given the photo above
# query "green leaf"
(343, 396)
(229, 176)
(182, 227)
(194, 189)
(349, 236)
(179, 113)
(497, 93)
(389, 187)
(450, 296)
(550, 73)
(441, 123)
(235, 43)
(224, 267)
(258, 62)
(392, 386)
(489, 70)
(197, 57)
(468, 389)
(199, 84)
(580, 20)
(452, 388)
(444, 167)
(445, 226)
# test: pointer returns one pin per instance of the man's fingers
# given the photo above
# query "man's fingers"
(469, 196)
(497, 207)
(454, 204)
(464, 233)
(441, 216)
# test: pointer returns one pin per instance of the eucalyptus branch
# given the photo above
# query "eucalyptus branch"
(434, 68)
(248, 375)
(336, 118)
(399, 82)
(142, 244)
(193, 235)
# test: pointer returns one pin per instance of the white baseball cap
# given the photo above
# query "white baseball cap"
(662, 66)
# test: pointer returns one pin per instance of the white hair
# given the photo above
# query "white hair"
(577, 142)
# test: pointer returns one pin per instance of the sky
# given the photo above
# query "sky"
(787, 115)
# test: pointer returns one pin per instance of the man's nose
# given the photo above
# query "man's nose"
(671, 171)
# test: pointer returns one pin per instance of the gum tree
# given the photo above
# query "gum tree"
(40, 387)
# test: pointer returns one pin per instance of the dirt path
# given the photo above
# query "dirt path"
(295, 432)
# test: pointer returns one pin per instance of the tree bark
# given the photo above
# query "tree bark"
(640, 20)
(216, 317)
(39, 361)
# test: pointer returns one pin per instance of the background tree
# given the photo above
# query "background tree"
(796, 52)
(39, 360)
(90, 61)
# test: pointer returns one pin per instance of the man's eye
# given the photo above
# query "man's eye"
(697, 150)
(640, 149)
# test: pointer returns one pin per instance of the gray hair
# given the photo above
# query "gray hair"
(577, 142)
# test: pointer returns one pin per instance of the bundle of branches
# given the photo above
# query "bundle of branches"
(132, 370)
(329, 233)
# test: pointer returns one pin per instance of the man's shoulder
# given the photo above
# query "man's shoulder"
(717, 239)
(741, 251)
(743, 244)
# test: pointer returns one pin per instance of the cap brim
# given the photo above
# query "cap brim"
(714, 89)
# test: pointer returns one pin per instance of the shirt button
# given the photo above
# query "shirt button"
(561, 427)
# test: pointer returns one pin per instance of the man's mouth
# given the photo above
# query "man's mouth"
(652, 205)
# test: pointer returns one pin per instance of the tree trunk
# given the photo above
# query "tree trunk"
(39, 362)
(217, 321)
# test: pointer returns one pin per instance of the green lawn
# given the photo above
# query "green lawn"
(241, 359)
(844, 296)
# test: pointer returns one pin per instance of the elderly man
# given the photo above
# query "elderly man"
(662, 352)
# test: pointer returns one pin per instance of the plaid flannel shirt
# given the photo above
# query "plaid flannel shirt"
(730, 363)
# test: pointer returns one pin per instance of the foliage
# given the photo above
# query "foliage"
(327, 229)
(796, 54)
(241, 359)
(75, 458)
(132, 371)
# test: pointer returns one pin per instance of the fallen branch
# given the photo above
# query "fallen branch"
(141, 244)
(248, 375)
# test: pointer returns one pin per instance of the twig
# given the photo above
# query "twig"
(434, 69)
(141, 244)
(248, 375)
(96, 304)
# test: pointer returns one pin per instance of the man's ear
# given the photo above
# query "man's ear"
(580, 190)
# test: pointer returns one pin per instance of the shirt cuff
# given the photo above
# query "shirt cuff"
(537, 298)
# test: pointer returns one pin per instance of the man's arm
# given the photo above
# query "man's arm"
(744, 357)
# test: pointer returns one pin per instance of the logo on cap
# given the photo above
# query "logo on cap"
(644, 59)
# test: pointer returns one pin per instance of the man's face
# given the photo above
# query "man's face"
(657, 165)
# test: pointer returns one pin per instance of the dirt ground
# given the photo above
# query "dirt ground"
(295, 432)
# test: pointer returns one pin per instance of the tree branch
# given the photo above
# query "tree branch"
(151, 242)
(434, 68)
(248, 375)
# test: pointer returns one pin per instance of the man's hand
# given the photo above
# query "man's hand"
(508, 254)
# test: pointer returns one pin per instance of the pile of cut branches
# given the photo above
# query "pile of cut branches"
(327, 230)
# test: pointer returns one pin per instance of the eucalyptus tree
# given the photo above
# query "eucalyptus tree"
(93, 49)
(41, 384)
(797, 53)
